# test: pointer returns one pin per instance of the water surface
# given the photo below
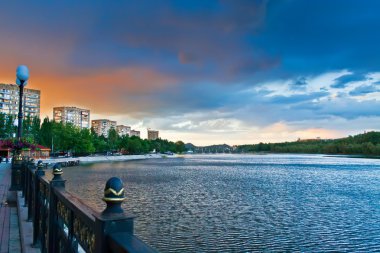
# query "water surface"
(245, 203)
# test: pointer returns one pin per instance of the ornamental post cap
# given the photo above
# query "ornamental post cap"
(114, 190)
(114, 195)
(22, 75)
(40, 164)
(57, 170)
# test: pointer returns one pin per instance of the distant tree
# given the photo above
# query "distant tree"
(35, 129)
(46, 133)
(69, 138)
(3, 120)
(180, 147)
(84, 143)
(134, 146)
(113, 139)
(100, 142)
(31, 128)
(10, 128)
(123, 142)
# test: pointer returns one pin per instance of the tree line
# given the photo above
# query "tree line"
(361, 144)
(69, 138)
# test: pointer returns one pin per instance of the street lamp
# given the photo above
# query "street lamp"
(18, 170)
(22, 76)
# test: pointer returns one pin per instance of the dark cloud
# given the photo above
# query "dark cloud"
(297, 98)
(364, 89)
(166, 59)
(223, 41)
(210, 35)
(343, 81)
(187, 58)
(189, 97)
(349, 108)
(308, 111)
(301, 81)
(313, 37)
(299, 84)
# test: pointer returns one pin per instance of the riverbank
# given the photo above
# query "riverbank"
(91, 159)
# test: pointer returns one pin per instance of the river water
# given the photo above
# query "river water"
(245, 203)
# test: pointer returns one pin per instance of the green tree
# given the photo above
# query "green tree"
(84, 143)
(100, 142)
(180, 147)
(3, 120)
(10, 128)
(134, 145)
(46, 133)
(113, 139)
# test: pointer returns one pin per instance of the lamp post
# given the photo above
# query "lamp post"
(22, 76)
(18, 173)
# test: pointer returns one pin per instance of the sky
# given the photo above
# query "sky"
(205, 72)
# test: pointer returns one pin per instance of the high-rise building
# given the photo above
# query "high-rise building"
(135, 133)
(76, 116)
(9, 100)
(103, 126)
(123, 130)
(152, 134)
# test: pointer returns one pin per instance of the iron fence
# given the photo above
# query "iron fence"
(63, 223)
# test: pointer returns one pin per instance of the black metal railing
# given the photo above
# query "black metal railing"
(63, 223)
(17, 175)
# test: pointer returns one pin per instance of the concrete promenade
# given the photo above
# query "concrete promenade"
(9, 222)
(92, 159)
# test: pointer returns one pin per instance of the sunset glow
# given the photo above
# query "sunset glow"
(205, 72)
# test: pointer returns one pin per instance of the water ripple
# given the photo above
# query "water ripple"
(235, 203)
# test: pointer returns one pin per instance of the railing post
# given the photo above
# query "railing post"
(26, 181)
(23, 181)
(56, 182)
(112, 219)
(36, 204)
(16, 176)
(30, 172)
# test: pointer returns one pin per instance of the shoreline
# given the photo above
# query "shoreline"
(121, 158)
(91, 159)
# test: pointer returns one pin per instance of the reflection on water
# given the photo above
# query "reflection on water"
(245, 203)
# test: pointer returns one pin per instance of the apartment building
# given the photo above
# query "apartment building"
(123, 130)
(76, 116)
(135, 133)
(103, 126)
(152, 134)
(9, 100)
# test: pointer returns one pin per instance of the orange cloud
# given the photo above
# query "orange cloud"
(104, 91)
(115, 91)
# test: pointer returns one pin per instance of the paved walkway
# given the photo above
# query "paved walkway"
(9, 226)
